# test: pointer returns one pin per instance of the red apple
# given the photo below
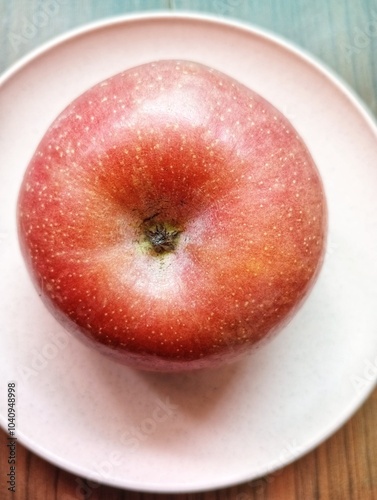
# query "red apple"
(172, 217)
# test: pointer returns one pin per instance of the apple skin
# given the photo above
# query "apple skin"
(172, 218)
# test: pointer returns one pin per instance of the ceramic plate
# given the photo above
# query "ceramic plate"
(192, 432)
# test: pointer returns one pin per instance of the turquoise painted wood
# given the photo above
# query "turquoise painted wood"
(341, 34)
(26, 24)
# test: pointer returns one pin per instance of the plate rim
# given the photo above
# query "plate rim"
(154, 15)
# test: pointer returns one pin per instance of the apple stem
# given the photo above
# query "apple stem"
(161, 239)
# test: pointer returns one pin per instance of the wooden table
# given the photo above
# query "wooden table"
(344, 36)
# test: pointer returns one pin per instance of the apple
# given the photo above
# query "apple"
(172, 218)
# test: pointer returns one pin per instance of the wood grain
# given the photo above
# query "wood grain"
(343, 35)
